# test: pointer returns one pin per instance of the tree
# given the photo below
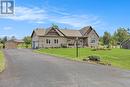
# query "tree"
(128, 30)
(55, 26)
(13, 38)
(27, 41)
(106, 38)
(0, 40)
(113, 41)
(121, 34)
(1, 45)
(3, 40)
(101, 40)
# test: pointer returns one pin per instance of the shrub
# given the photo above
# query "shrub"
(96, 49)
(63, 45)
(94, 58)
(84, 59)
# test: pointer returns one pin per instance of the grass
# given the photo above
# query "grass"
(116, 57)
(23, 46)
(1, 46)
(2, 61)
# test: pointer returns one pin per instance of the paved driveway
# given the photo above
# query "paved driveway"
(28, 69)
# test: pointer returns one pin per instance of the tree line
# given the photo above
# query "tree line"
(119, 36)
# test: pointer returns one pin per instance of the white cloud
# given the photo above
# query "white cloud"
(54, 15)
(74, 19)
(27, 14)
(8, 35)
(78, 20)
(7, 28)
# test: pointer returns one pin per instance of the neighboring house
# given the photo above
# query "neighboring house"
(126, 44)
(11, 44)
(54, 37)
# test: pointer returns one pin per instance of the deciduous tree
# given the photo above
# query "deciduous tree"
(106, 38)
(121, 35)
(27, 41)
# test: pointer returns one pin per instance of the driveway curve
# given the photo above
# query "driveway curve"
(28, 69)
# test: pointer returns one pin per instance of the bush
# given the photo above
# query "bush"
(63, 45)
(84, 59)
(96, 49)
(94, 58)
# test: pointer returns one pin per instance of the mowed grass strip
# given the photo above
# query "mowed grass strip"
(117, 57)
(2, 61)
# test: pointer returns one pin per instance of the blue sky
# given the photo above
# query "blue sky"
(103, 15)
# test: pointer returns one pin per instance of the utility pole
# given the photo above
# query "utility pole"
(77, 50)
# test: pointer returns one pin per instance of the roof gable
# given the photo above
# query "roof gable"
(53, 32)
(86, 31)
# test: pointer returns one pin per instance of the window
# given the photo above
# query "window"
(48, 41)
(56, 41)
(93, 41)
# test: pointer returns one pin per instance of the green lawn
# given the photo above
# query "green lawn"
(1, 46)
(2, 61)
(116, 57)
(23, 46)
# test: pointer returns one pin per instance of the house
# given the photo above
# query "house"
(126, 44)
(11, 44)
(55, 37)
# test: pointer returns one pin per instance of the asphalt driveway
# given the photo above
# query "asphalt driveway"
(28, 69)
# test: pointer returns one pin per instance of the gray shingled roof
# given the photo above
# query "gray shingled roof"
(66, 32)
(73, 33)
(85, 30)
(40, 31)
(16, 40)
